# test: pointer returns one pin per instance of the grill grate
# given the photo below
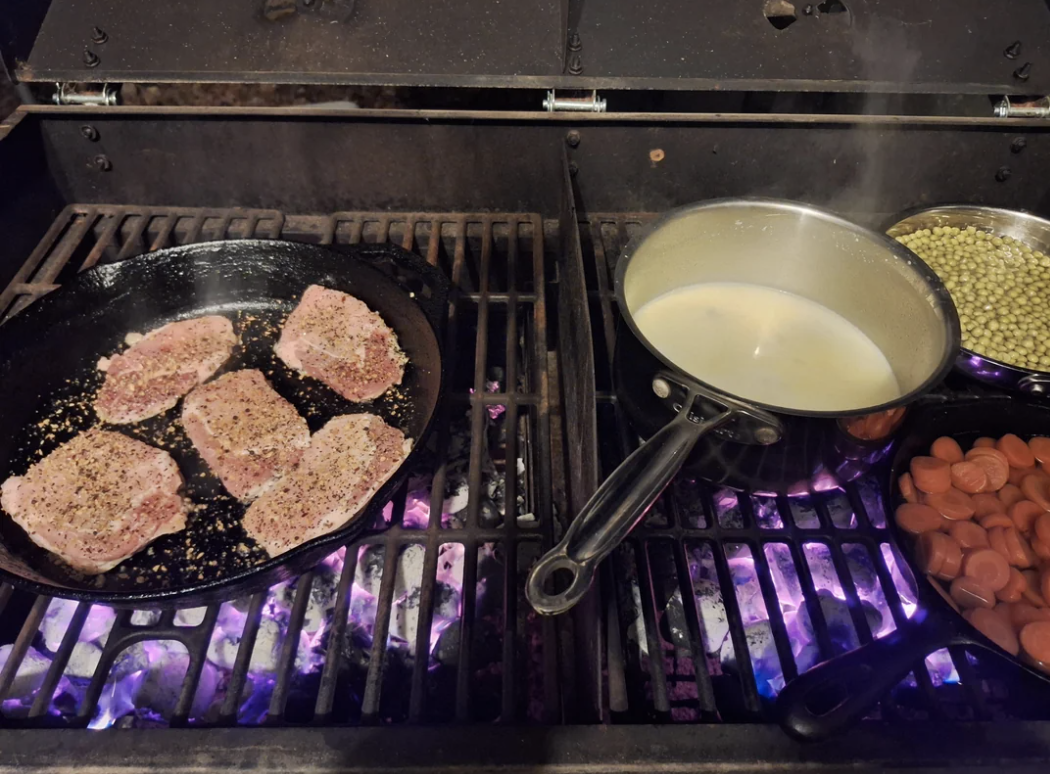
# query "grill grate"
(719, 597)
(493, 442)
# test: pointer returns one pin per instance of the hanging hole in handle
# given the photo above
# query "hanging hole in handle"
(557, 583)
(1034, 384)
(833, 693)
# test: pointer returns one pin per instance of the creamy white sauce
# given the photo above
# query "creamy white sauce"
(768, 346)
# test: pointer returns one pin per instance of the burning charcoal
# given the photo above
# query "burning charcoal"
(417, 509)
(163, 683)
(60, 613)
(322, 600)
(145, 617)
(191, 616)
(489, 515)
(83, 660)
(458, 500)
(761, 646)
(30, 672)
(525, 519)
(712, 614)
(267, 651)
(674, 621)
(407, 581)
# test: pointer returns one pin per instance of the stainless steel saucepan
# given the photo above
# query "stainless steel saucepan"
(867, 278)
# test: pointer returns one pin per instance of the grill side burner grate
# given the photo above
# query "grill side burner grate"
(473, 521)
(719, 597)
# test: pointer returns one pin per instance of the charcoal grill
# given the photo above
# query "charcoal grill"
(414, 647)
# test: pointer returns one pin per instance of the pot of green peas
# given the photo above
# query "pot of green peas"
(995, 263)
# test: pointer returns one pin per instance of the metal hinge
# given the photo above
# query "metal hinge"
(79, 94)
(1039, 108)
(591, 104)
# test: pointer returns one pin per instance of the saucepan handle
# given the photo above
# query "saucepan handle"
(614, 510)
(837, 693)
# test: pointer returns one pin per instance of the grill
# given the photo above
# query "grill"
(441, 578)
(414, 648)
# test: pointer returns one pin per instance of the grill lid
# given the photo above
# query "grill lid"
(937, 46)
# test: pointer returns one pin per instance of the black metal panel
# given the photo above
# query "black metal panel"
(306, 165)
(297, 42)
(871, 170)
(874, 45)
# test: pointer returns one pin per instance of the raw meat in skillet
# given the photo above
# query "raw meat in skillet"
(335, 338)
(247, 433)
(97, 499)
(161, 367)
(348, 460)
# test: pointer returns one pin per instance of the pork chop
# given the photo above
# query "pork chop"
(247, 433)
(337, 339)
(97, 499)
(349, 459)
(162, 366)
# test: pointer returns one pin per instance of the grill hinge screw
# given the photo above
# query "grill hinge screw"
(1023, 72)
(90, 58)
(88, 132)
(572, 138)
(102, 163)
(575, 64)
(1018, 144)
(575, 44)
(1013, 50)
(592, 104)
(1003, 174)
(98, 35)
(1039, 108)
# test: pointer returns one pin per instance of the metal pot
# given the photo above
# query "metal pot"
(869, 279)
(1026, 228)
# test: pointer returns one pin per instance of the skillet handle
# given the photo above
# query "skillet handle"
(614, 509)
(427, 284)
(834, 695)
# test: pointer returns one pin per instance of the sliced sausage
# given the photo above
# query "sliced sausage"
(985, 564)
(1040, 447)
(985, 504)
(1032, 594)
(1034, 487)
(995, 627)
(1039, 548)
(969, 592)
(931, 475)
(1017, 452)
(947, 449)
(969, 477)
(1035, 641)
(997, 471)
(968, 534)
(1041, 527)
(951, 504)
(1023, 613)
(915, 518)
(996, 520)
(907, 487)
(1023, 514)
(1044, 585)
(1010, 494)
(984, 443)
(939, 555)
(1013, 591)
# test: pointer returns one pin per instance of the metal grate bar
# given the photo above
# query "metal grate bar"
(69, 640)
(163, 237)
(5, 595)
(104, 242)
(289, 648)
(510, 492)
(133, 244)
(661, 701)
(239, 677)
(330, 671)
(181, 714)
(437, 489)
(41, 251)
(22, 643)
(377, 659)
(704, 689)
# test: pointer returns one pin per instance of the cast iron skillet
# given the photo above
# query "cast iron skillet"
(48, 357)
(836, 694)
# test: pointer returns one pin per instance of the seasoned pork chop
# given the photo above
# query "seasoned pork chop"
(161, 367)
(335, 338)
(247, 433)
(97, 499)
(348, 460)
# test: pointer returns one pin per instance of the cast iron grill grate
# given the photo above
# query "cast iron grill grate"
(719, 597)
(422, 621)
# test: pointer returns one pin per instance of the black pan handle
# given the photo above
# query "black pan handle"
(614, 510)
(428, 285)
(837, 693)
